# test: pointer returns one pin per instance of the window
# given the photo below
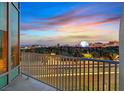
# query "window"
(3, 38)
(14, 35)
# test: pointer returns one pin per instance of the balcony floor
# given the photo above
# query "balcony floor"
(24, 84)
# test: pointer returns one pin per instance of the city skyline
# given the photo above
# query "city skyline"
(69, 23)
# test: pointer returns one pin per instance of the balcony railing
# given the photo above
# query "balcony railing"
(72, 73)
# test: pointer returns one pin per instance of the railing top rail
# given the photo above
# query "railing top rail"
(93, 59)
(98, 60)
(81, 59)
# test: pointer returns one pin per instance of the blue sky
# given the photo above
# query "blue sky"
(69, 23)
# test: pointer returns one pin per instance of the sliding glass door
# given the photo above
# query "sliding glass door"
(9, 42)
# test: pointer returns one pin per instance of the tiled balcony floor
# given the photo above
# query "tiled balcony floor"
(24, 84)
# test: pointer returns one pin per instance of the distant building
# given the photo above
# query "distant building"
(35, 46)
(113, 43)
(97, 44)
(58, 45)
(109, 44)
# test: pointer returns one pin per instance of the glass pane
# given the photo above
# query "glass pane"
(3, 52)
(14, 73)
(3, 10)
(14, 35)
(3, 81)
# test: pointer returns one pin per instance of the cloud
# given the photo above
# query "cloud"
(104, 21)
(73, 26)
(71, 17)
(43, 26)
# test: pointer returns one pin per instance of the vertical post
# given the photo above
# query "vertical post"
(121, 52)
(9, 44)
(19, 53)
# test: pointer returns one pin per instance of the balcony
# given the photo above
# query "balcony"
(23, 83)
(67, 73)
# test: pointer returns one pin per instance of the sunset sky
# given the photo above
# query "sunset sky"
(69, 23)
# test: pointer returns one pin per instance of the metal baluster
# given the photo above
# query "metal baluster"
(42, 67)
(62, 73)
(30, 56)
(49, 70)
(109, 77)
(34, 60)
(84, 75)
(98, 76)
(76, 73)
(66, 76)
(93, 77)
(69, 75)
(80, 76)
(45, 68)
(64, 69)
(54, 71)
(103, 76)
(72, 73)
(32, 67)
(37, 67)
(57, 74)
(88, 75)
(46, 74)
(115, 78)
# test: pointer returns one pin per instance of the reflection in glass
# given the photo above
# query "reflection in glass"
(3, 52)
(14, 35)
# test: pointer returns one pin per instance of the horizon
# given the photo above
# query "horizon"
(66, 44)
(69, 23)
